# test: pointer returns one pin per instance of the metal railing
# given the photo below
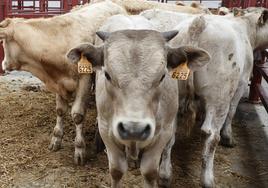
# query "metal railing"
(260, 70)
(38, 8)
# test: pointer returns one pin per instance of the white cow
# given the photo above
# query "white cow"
(220, 84)
(137, 100)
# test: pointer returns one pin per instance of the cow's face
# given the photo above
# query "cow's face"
(262, 29)
(11, 60)
(136, 65)
(12, 49)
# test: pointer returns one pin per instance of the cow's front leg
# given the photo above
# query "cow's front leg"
(165, 168)
(61, 108)
(211, 129)
(149, 167)
(78, 115)
(117, 165)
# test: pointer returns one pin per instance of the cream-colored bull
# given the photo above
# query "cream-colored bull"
(39, 46)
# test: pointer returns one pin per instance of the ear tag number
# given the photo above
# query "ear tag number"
(84, 66)
(181, 72)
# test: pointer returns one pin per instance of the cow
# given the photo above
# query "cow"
(135, 7)
(137, 100)
(220, 84)
(39, 46)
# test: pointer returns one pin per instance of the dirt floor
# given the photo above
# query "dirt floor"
(27, 118)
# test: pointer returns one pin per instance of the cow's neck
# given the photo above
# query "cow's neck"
(245, 24)
(256, 38)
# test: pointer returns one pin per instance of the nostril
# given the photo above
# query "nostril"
(146, 132)
(122, 130)
(147, 128)
(121, 127)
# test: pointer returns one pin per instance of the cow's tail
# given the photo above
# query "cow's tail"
(190, 108)
(187, 108)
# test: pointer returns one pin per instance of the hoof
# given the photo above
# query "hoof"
(79, 156)
(207, 182)
(164, 182)
(208, 185)
(55, 144)
(227, 142)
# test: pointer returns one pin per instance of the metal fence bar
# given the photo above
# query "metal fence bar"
(257, 91)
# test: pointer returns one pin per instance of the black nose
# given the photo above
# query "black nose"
(134, 130)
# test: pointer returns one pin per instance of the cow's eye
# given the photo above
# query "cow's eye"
(108, 77)
(162, 78)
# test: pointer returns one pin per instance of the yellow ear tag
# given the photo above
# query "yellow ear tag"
(181, 72)
(84, 66)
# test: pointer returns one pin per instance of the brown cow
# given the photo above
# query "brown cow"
(39, 46)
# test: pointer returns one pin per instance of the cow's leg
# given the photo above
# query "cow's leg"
(150, 161)
(117, 165)
(211, 128)
(226, 132)
(78, 115)
(149, 169)
(61, 108)
(165, 169)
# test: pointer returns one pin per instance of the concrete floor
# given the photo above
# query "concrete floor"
(254, 132)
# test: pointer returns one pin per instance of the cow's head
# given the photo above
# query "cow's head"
(14, 43)
(136, 66)
(258, 18)
(11, 47)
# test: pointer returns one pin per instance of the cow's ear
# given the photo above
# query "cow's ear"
(5, 22)
(92, 53)
(3, 34)
(4, 31)
(263, 17)
(194, 57)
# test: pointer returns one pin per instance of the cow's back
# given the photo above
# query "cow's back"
(229, 50)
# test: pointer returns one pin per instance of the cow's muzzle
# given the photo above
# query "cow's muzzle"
(138, 131)
(6, 66)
